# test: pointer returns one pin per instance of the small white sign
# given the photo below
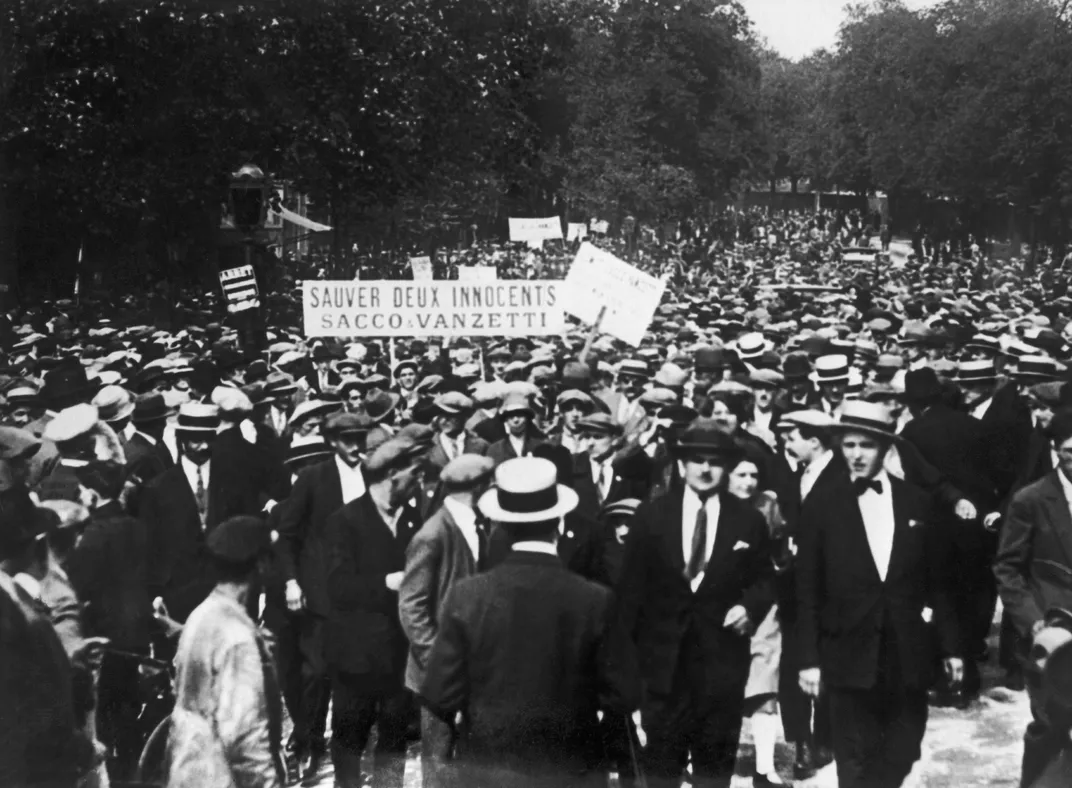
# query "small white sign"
(531, 230)
(478, 273)
(421, 267)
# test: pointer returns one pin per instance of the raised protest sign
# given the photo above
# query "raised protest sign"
(240, 288)
(535, 229)
(421, 267)
(478, 273)
(600, 226)
(600, 282)
(404, 309)
(576, 232)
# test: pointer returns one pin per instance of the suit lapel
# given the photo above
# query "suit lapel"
(1059, 518)
(899, 553)
(333, 484)
(856, 531)
(671, 529)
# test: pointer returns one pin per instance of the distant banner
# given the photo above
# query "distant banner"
(406, 309)
(598, 279)
(422, 268)
(478, 273)
(599, 226)
(535, 229)
(576, 232)
(240, 288)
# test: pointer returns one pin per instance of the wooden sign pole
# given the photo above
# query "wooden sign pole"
(592, 335)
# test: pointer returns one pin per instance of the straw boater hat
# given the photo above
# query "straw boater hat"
(982, 371)
(871, 418)
(527, 491)
(197, 419)
(831, 369)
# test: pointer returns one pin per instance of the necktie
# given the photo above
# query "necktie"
(202, 497)
(698, 556)
(863, 485)
(481, 543)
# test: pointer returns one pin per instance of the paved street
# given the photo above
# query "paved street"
(979, 747)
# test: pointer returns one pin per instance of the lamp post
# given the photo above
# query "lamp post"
(248, 203)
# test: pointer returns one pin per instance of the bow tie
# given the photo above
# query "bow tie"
(863, 485)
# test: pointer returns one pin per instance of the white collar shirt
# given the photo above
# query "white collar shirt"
(569, 441)
(148, 438)
(762, 418)
(194, 471)
(518, 444)
(603, 477)
(465, 519)
(535, 547)
(877, 512)
(690, 508)
(980, 410)
(454, 447)
(128, 431)
(812, 472)
(352, 481)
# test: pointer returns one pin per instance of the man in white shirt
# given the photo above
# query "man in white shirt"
(696, 575)
(449, 547)
(869, 568)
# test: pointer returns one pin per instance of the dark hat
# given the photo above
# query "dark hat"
(67, 385)
(380, 404)
(347, 424)
(279, 385)
(395, 452)
(922, 386)
(240, 539)
(149, 408)
(678, 415)
(709, 359)
(21, 521)
(704, 435)
(402, 366)
(796, 366)
(600, 424)
(467, 471)
(18, 444)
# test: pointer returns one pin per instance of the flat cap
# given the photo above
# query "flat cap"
(659, 397)
(394, 452)
(600, 423)
(347, 424)
(671, 376)
(485, 393)
(577, 396)
(467, 471)
(239, 539)
(453, 403)
(18, 444)
(71, 423)
(766, 378)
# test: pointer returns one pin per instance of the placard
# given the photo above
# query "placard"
(598, 279)
(535, 229)
(421, 267)
(576, 232)
(600, 226)
(439, 308)
(478, 273)
(240, 288)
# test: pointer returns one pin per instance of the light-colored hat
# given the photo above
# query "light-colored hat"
(872, 418)
(197, 418)
(527, 491)
(312, 407)
(231, 400)
(516, 402)
(671, 376)
(976, 371)
(805, 418)
(113, 404)
(71, 423)
(752, 345)
(831, 369)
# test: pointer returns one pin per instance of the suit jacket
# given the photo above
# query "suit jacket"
(582, 547)
(145, 460)
(672, 627)
(956, 445)
(261, 462)
(364, 634)
(1037, 460)
(632, 479)
(178, 565)
(312, 377)
(437, 557)
(845, 608)
(535, 633)
(109, 570)
(1007, 425)
(1034, 559)
(503, 450)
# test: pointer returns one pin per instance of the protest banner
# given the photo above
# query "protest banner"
(405, 309)
(535, 229)
(628, 297)
(421, 267)
(240, 288)
(478, 273)
(576, 232)
(600, 226)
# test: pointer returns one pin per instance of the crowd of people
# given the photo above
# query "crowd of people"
(550, 559)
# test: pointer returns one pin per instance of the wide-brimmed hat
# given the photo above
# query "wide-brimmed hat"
(516, 402)
(402, 366)
(307, 448)
(196, 418)
(380, 404)
(312, 407)
(527, 491)
(872, 418)
(114, 404)
(67, 385)
(981, 371)
(1037, 368)
(922, 385)
(751, 345)
(149, 408)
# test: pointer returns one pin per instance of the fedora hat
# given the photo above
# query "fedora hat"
(704, 436)
(67, 385)
(380, 404)
(114, 404)
(871, 418)
(196, 418)
(149, 408)
(527, 491)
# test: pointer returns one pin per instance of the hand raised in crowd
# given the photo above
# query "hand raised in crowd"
(965, 510)
(811, 680)
(295, 597)
(738, 620)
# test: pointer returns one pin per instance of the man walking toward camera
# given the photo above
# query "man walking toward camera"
(868, 570)
(696, 579)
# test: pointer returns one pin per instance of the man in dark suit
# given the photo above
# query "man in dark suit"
(520, 650)
(453, 409)
(449, 547)
(1034, 573)
(696, 578)
(365, 543)
(182, 505)
(318, 492)
(147, 456)
(604, 471)
(955, 443)
(322, 377)
(518, 417)
(869, 563)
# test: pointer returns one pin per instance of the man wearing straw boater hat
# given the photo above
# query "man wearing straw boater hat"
(697, 576)
(532, 632)
(869, 564)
